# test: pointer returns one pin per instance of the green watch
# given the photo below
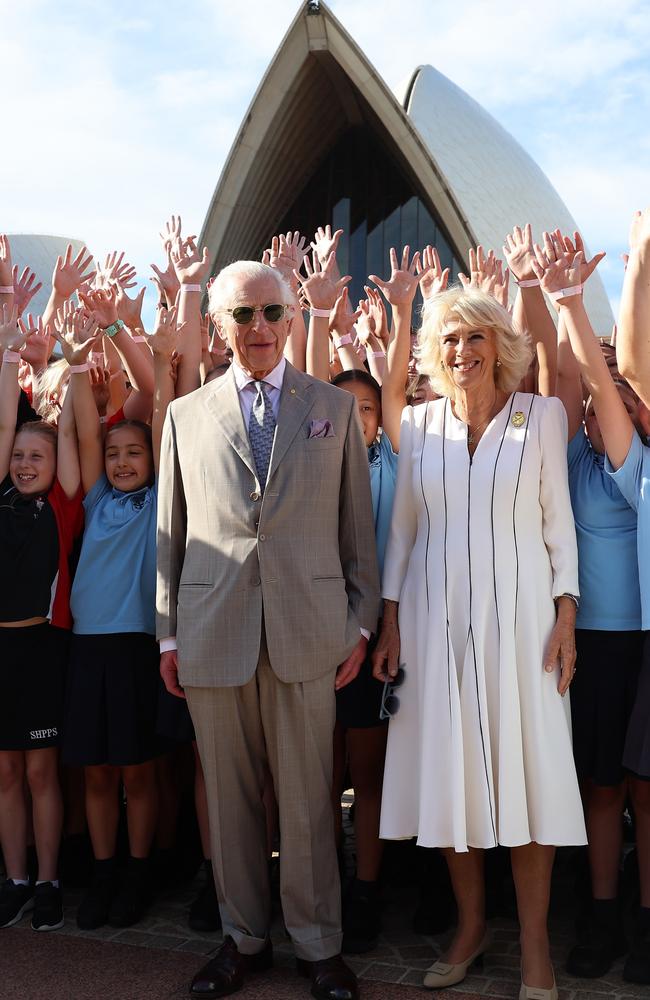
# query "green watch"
(111, 330)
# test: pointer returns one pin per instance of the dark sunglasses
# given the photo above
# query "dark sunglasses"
(243, 315)
(389, 700)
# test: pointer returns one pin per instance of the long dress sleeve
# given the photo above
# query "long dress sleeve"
(558, 526)
(403, 526)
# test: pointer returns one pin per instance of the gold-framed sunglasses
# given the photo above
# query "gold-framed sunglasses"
(243, 315)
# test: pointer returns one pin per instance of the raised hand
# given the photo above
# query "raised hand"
(190, 265)
(575, 245)
(115, 270)
(557, 268)
(36, 349)
(640, 229)
(6, 269)
(501, 285)
(402, 285)
(24, 288)
(76, 331)
(164, 339)
(482, 271)
(319, 287)
(171, 232)
(377, 314)
(433, 279)
(70, 274)
(342, 319)
(286, 255)
(103, 304)
(130, 310)
(100, 381)
(519, 253)
(166, 281)
(11, 335)
(326, 242)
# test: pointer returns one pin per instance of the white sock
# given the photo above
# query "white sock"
(19, 881)
(51, 881)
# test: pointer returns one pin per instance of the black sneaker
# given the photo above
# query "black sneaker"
(15, 900)
(597, 948)
(361, 921)
(48, 908)
(204, 911)
(132, 897)
(637, 963)
(95, 906)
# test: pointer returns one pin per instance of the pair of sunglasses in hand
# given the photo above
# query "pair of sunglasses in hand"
(389, 700)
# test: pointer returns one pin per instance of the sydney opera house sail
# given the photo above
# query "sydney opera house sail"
(325, 140)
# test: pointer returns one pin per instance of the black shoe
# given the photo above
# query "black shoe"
(637, 963)
(204, 911)
(600, 942)
(361, 919)
(225, 973)
(133, 896)
(15, 900)
(48, 908)
(95, 906)
(331, 978)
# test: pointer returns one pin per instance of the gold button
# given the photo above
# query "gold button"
(255, 495)
(292, 391)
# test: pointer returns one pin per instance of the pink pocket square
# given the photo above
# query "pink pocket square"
(321, 429)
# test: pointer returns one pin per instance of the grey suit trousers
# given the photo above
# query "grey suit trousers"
(289, 727)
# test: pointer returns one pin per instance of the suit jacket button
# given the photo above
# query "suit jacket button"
(262, 538)
(255, 495)
(256, 581)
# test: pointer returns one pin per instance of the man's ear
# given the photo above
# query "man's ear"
(289, 326)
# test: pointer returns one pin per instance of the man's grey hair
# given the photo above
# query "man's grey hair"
(221, 287)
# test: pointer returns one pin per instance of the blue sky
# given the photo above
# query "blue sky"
(121, 113)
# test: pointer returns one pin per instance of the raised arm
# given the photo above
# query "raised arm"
(286, 255)
(11, 339)
(321, 291)
(633, 330)
(559, 271)
(69, 275)
(163, 342)
(191, 266)
(399, 291)
(76, 332)
(569, 384)
(6, 274)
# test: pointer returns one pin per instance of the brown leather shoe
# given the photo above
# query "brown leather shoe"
(225, 973)
(331, 979)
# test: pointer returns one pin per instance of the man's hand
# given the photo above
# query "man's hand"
(351, 667)
(169, 672)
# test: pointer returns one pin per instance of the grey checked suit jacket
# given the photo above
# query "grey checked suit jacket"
(302, 559)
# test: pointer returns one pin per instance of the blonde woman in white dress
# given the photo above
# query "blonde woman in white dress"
(480, 588)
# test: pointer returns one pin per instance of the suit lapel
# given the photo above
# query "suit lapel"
(296, 401)
(224, 406)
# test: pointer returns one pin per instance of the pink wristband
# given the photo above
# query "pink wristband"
(11, 357)
(139, 339)
(320, 313)
(6, 289)
(563, 293)
(342, 341)
(78, 369)
(376, 354)
(190, 288)
(528, 283)
(97, 358)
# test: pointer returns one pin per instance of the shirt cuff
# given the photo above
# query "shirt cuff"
(364, 632)
(168, 644)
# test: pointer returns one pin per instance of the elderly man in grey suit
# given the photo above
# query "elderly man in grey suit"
(267, 593)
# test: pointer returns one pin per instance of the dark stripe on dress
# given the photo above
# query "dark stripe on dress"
(514, 511)
(426, 505)
(494, 554)
(444, 502)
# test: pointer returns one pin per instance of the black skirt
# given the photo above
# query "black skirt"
(33, 664)
(358, 703)
(636, 756)
(604, 693)
(112, 700)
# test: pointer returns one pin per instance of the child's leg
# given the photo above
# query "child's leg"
(141, 806)
(13, 813)
(640, 793)
(367, 750)
(102, 808)
(42, 768)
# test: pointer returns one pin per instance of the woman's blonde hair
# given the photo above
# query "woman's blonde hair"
(480, 311)
(49, 388)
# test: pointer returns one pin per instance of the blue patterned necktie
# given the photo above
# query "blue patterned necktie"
(261, 428)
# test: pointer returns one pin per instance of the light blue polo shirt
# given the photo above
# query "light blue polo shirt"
(114, 588)
(383, 473)
(633, 480)
(606, 535)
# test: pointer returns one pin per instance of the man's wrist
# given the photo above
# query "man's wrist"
(168, 644)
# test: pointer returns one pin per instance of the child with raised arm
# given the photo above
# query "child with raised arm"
(113, 683)
(40, 516)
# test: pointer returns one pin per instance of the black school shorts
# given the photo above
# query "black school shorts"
(33, 663)
(111, 701)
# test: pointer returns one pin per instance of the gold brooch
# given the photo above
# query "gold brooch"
(518, 419)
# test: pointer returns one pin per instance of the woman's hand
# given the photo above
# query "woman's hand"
(558, 269)
(24, 288)
(102, 303)
(286, 255)
(70, 274)
(385, 658)
(12, 337)
(562, 644)
(326, 242)
(37, 343)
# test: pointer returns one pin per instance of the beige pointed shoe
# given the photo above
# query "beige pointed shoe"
(442, 974)
(538, 992)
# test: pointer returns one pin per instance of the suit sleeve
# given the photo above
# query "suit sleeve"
(172, 524)
(557, 525)
(357, 546)
(403, 525)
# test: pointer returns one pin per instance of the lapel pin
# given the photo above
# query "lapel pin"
(518, 419)
(292, 391)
